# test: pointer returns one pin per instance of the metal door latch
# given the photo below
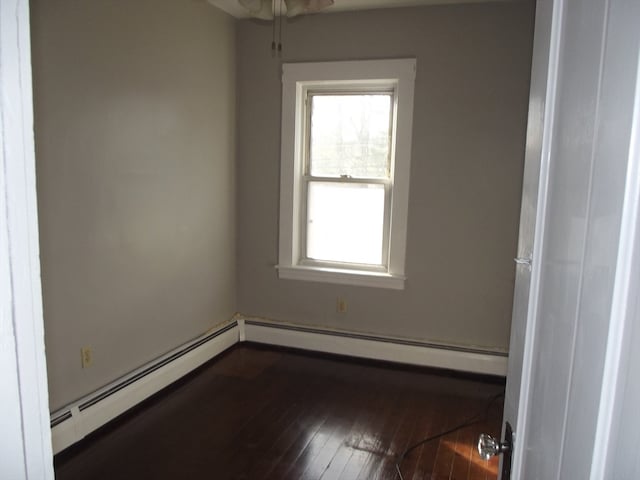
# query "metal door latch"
(523, 261)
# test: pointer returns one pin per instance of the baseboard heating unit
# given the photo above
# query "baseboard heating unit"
(377, 347)
(74, 422)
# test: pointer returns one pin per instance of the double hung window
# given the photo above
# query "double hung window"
(346, 142)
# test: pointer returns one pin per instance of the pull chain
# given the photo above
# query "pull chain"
(280, 32)
(273, 30)
(276, 47)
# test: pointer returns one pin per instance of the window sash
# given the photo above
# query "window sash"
(386, 226)
(355, 90)
(307, 178)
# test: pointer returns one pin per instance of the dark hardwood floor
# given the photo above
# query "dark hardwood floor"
(259, 413)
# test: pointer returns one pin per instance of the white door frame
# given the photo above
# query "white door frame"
(25, 442)
(617, 441)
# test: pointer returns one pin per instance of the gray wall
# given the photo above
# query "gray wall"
(466, 173)
(135, 119)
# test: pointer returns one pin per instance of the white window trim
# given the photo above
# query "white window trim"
(297, 78)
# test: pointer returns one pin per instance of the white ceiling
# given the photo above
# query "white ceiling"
(233, 8)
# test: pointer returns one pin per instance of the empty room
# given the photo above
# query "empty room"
(320, 239)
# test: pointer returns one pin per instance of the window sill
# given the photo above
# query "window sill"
(342, 277)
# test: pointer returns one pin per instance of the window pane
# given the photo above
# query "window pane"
(345, 222)
(350, 135)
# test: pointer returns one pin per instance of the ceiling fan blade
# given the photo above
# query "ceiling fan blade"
(262, 9)
(298, 7)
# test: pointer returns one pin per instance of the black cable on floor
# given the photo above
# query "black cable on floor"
(477, 418)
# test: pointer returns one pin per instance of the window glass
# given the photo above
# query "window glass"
(345, 222)
(350, 135)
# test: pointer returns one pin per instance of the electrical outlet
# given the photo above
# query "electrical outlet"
(341, 305)
(86, 356)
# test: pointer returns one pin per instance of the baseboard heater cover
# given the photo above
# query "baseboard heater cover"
(413, 352)
(74, 422)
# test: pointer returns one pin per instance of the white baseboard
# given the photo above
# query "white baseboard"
(376, 347)
(74, 422)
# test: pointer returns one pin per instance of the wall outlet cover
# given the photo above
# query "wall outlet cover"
(86, 356)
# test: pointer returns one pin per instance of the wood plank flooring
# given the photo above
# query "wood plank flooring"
(259, 413)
